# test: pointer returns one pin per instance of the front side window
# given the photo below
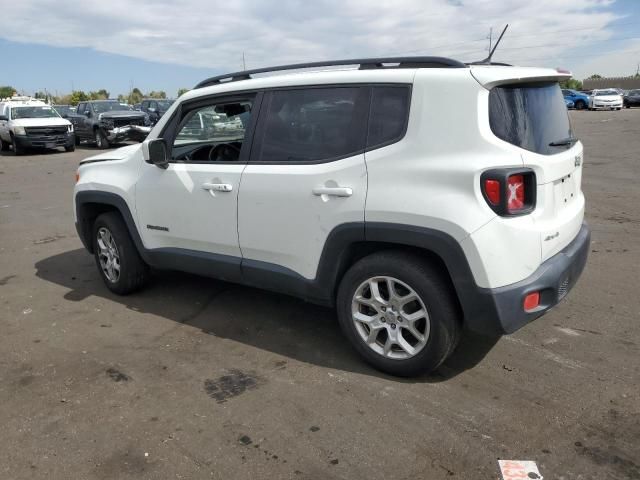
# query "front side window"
(313, 124)
(213, 133)
(531, 116)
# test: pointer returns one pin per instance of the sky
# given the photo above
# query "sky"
(60, 45)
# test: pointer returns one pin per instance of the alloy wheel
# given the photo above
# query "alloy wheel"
(390, 317)
(108, 255)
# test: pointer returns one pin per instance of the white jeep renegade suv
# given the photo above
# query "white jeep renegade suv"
(417, 196)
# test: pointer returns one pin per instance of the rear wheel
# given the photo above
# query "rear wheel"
(4, 146)
(101, 139)
(70, 148)
(399, 313)
(117, 259)
(77, 140)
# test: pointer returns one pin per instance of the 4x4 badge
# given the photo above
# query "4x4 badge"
(578, 161)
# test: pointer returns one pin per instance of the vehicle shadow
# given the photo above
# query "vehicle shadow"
(276, 323)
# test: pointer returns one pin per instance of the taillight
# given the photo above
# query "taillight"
(515, 200)
(509, 191)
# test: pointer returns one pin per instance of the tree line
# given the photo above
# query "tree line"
(135, 96)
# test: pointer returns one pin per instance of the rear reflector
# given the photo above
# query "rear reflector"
(515, 201)
(531, 301)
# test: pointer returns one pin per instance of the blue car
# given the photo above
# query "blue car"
(569, 103)
(580, 100)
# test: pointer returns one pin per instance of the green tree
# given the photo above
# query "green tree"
(101, 94)
(77, 96)
(7, 91)
(158, 94)
(572, 84)
(135, 96)
(595, 76)
(182, 91)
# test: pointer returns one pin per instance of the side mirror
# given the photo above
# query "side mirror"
(157, 153)
(4, 118)
(87, 113)
(151, 109)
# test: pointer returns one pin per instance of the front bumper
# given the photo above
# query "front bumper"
(607, 105)
(500, 310)
(45, 141)
(129, 132)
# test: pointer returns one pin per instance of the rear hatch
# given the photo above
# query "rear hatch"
(529, 112)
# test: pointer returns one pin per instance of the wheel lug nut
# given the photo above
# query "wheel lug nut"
(393, 326)
(384, 309)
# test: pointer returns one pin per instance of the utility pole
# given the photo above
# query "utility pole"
(490, 37)
(244, 65)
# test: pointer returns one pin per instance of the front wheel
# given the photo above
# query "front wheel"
(580, 104)
(70, 148)
(101, 139)
(399, 313)
(17, 149)
(117, 259)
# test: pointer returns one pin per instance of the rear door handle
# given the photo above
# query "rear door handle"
(218, 187)
(333, 191)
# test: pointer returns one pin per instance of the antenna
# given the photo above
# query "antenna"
(487, 61)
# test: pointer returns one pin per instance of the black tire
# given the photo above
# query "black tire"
(70, 148)
(100, 138)
(17, 149)
(580, 104)
(133, 273)
(4, 146)
(433, 289)
(77, 140)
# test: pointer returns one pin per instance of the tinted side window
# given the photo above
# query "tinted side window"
(314, 124)
(389, 115)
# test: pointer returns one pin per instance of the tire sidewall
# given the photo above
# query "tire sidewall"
(432, 293)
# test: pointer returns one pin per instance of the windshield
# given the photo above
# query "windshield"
(164, 104)
(44, 111)
(602, 93)
(101, 107)
(530, 116)
(634, 92)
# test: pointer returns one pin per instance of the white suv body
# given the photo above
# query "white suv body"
(26, 122)
(458, 187)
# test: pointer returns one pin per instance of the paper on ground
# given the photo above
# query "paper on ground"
(519, 470)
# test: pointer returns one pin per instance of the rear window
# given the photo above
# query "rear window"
(530, 116)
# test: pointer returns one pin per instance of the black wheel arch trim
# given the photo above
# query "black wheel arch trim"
(477, 306)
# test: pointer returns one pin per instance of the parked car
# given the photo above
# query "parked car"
(579, 99)
(415, 214)
(631, 99)
(569, 103)
(64, 110)
(608, 99)
(107, 121)
(28, 123)
(155, 108)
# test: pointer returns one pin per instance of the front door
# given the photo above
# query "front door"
(191, 207)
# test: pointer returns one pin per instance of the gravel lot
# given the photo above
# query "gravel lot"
(194, 378)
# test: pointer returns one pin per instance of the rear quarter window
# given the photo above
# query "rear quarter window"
(388, 116)
(530, 116)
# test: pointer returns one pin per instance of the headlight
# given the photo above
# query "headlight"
(18, 130)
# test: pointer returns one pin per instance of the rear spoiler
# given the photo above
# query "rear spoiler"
(490, 76)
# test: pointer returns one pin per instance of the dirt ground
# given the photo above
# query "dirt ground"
(193, 378)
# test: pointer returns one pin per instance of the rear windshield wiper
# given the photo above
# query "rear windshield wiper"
(564, 141)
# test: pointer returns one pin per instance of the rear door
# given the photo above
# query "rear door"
(533, 116)
(306, 176)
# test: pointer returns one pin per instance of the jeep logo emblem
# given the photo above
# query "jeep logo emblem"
(578, 161)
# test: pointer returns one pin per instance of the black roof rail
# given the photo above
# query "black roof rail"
(364, 64)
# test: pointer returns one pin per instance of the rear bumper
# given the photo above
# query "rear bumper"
(45, 141)
(500, 310)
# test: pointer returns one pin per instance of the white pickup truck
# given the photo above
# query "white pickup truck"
(30, 123)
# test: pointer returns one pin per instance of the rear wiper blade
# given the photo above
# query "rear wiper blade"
(564, 141)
